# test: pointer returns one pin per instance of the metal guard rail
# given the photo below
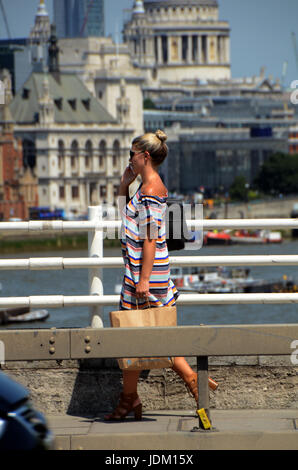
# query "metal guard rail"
(198, 341)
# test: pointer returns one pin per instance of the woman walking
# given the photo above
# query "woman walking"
(147, 273)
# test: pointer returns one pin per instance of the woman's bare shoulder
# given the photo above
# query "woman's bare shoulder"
(155, 189)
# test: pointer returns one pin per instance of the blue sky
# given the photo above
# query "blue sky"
(260, 30)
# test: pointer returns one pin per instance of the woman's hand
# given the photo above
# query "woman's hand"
(142, 289)
(128, 176)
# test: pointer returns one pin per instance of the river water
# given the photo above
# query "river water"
(75, 282)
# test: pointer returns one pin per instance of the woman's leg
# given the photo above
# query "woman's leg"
(130, 381)
(183, 369)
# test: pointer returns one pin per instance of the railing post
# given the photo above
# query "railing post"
(203, 387)
(95, 250)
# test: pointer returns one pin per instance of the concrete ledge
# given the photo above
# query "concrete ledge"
(171, 430)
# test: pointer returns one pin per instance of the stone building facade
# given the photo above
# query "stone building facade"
(107, 71)
(18, 186)
(77, 149)
(172, 41)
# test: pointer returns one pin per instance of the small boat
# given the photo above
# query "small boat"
(261, 236)
(22, 315)
(223, 280)
(206, 281)
(217, 238)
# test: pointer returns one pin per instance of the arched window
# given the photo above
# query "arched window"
(61, 154)
(88, 154)
(74, 154)
(116, 152)
(102, 152)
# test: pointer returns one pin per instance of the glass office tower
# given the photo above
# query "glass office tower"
(79, 18)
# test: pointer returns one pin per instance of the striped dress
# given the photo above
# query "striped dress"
(140, 213)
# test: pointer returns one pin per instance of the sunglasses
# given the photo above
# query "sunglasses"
(132, 153)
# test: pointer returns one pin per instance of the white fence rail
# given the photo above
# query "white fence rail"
(57, 301)
(60, 226)
(59, 263)
(96, 261)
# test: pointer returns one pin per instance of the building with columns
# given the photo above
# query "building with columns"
(74, 146)
(107, 71)
(172, 41)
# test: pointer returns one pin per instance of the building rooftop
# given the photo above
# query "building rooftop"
(73, 103)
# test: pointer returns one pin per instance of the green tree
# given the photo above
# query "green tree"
(148, 104)
(239, 189)
(279, 174)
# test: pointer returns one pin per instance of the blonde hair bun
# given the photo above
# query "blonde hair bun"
(161, 135)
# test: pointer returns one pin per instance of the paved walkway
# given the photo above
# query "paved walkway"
(175, 430)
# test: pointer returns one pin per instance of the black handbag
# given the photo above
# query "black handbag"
(177, 233)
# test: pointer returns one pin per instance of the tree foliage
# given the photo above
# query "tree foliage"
(148, 104)
(238, 189)
(279, 174)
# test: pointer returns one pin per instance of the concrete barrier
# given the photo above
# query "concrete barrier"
(90, 386)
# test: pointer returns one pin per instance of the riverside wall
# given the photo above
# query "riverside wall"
(88, 387)
(276, 208)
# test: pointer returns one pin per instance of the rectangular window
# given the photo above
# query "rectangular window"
(74, 192)
(164, 45)
(102, 191)
(195, 48)
(204, 49)
(184, 48)
(156, 49)
(61, 192)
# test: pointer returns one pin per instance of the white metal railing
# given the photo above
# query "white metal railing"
(61, 226)
(57, 263)
(96, 261)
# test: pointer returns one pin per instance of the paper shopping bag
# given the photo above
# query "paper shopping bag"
(157, 316)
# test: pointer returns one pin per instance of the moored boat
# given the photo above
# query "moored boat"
(223, 280)
(22, 315)
(217, 238)
(261, 236)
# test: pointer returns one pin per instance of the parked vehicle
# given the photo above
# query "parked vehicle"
(45, 213)
(21, 426)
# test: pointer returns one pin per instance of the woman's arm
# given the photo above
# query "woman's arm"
(149, 248)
